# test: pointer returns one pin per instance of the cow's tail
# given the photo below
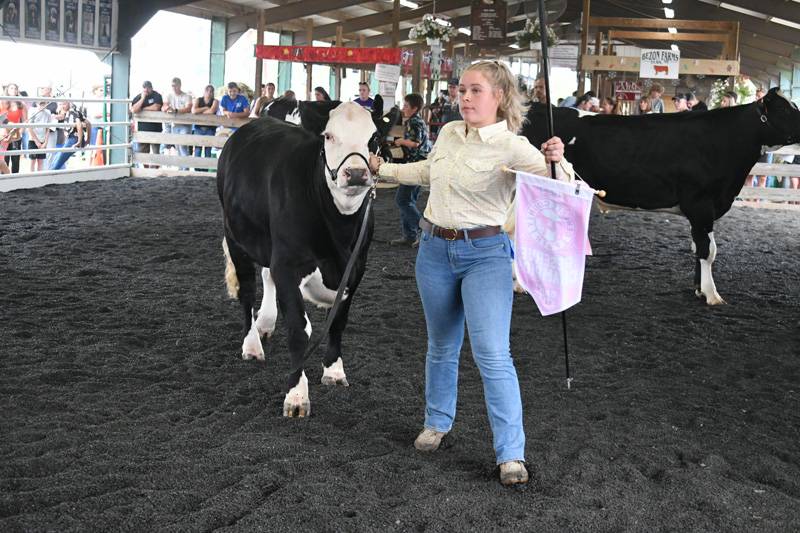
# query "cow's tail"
(231, 280)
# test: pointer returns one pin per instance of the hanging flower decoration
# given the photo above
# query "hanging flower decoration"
(431, 28)
(718, 90)
(530, 35)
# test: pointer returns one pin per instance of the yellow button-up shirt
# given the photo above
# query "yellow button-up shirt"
(464, 171)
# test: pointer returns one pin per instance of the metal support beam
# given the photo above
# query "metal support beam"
(259, 61)
(120, 82)
(216, 70)
(284, 67)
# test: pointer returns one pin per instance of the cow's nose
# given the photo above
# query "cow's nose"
(356, 176)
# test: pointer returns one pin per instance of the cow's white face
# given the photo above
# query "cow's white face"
(348, 132)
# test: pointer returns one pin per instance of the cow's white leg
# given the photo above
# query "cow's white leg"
(517, 287)
(268, 312)
(316, 292)
(334, 374)
(251, 346)
(297, 400)
(707, 286)
(308, 325)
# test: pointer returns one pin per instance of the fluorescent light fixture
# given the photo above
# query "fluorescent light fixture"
(441, 22)
(785, 22)
(412, 5)
(743, 10)
(513, 45)
(465, 31)
(675, 48)
(669, 13)
(666, 1)
(672, 30)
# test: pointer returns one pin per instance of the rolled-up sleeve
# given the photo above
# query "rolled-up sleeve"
(528, 158)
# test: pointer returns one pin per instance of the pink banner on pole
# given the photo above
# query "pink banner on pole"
(551, 240)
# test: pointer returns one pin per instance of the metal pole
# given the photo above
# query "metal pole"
(550, 135)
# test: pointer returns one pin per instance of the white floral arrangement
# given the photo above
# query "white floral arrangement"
(530, 34)
(718, 90)
(429, 28)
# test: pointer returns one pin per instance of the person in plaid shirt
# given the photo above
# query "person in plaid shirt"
(416, 145)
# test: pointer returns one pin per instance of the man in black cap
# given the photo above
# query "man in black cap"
(680, 102)
(149, 100)
(450, 110)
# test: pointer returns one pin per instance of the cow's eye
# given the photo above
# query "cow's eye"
(328, 136)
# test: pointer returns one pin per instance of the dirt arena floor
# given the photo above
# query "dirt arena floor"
(126, 406)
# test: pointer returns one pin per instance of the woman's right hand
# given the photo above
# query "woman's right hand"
(374, 163)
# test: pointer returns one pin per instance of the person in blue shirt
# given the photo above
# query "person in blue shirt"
(363, 96)
(233, 104)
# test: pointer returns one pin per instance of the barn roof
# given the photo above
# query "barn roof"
(769, 39)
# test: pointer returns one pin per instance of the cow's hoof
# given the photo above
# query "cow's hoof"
(297, 402)
(251, 347)
(301, 410)
(699, 294)
(715, 299)
(518, 288)
(334, 374)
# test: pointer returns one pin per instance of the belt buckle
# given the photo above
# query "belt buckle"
(450, 232)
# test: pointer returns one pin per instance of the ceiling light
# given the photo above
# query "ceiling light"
(669, 13)
(785, 22)
(513, 45)
(441, 21)
(666, 1)
(412, 5)
(675, 48)
(465, 31)
(743, 10)
(672, 30)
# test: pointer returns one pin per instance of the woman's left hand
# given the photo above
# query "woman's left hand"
(553, 150)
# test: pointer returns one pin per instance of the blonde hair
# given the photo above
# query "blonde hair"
(512, 105)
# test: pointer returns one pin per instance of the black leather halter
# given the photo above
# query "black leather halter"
(333, 173)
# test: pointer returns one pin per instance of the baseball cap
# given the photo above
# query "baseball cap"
(453, 81)
(680, 96)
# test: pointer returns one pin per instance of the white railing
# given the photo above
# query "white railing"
(37, 178)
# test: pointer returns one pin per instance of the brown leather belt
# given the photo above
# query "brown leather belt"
(458, 234)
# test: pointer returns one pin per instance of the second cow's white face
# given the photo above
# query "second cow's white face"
(349, 130)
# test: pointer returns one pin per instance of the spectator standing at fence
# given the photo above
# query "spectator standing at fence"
(680, 102)
(233, 104)
(728, 100)
(266, 98)
(363, 96)
(39, 137)
(16, 112)
(416, 145)
(450, 111)
(645, 106)
(149, 100)
(321, 95)
(205, 105)
(56, 137)
(76, 134)
(656, 103)
(179, 103)
(694, 103)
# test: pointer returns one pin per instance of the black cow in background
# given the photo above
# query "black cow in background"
(692, 163)
(292, 200)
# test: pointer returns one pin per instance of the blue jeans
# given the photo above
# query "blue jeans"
(61, 160)
(201, 130)
(406, 200)
(470, 280)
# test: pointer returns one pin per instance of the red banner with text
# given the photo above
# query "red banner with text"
(332, 55)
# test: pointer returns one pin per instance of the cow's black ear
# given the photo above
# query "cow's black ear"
(377, 106)
(314, 115)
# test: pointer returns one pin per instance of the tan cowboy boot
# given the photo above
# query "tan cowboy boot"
(513, 472)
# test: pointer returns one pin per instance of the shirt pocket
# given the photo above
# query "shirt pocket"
(478, 173)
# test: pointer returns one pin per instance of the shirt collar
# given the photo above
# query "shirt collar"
(486, 133)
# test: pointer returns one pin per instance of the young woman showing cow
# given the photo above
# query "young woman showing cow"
(463, 265)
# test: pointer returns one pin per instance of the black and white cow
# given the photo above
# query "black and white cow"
(293, 202)
(694, 163)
